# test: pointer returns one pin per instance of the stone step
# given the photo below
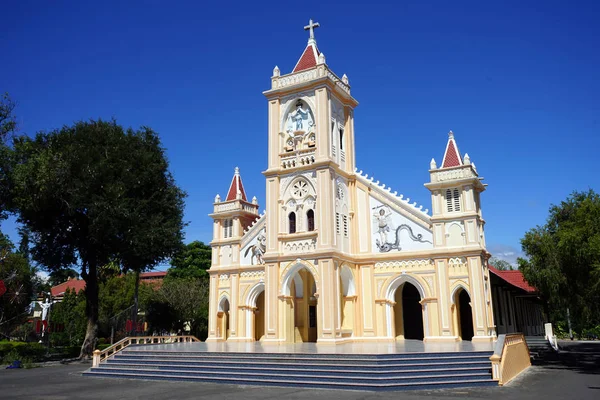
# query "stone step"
(329, 372)
(293, 359)
(304, 365)
(316, 382)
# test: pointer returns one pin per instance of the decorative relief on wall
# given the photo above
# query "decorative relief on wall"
(393, 231)
(224, 277)
(404, 264)
(258, 249)
(457, 262)
(300, 246)
(285, 181)
(253, 274)
(454, 174)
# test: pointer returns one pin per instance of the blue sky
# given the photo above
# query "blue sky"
(517, 81)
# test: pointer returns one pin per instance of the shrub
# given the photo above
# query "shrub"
(22, 351)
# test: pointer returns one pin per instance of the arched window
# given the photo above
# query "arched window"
(292, 222)
(310, 220)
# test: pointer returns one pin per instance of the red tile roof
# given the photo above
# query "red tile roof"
(451, 156)
(74, 284)
(308, 58)
(79, 284)
(515, 278)
(153, 275)
(236, 184)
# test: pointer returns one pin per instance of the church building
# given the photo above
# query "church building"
(338, 257)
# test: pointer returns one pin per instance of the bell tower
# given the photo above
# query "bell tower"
(455, 194)
(311, 155)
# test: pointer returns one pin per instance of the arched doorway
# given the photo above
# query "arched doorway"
(259, 317)
(223, 319)
(300, 307)
(408, 312)
(464, 317)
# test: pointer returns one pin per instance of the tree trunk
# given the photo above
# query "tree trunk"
(91, 311)
(135, 302)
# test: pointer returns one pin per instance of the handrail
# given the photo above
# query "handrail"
(100, 356)
(511, 357)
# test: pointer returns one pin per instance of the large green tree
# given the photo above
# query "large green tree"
(192, 261)
(8, 126)
(563, 258)
(502, 265)
(18, 280)
(180, 302)
(92, 194)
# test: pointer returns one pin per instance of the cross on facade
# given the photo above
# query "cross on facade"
(311, 27)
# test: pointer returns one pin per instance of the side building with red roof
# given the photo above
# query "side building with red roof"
(517, 305)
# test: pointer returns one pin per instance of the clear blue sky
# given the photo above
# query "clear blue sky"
(517, 81)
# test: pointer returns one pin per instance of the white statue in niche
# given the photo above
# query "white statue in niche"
(301, 119)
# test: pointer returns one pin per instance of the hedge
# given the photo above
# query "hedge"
(33, 351)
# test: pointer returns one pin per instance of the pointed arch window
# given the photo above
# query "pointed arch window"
(310, 220)
(292, 222)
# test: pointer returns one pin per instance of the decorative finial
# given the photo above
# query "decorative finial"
(321, 58)
(276, 71)
(254, 200)
(450, 135)
(345, 79)
(432, 164)
(311, 28)
(237, 170)
(217, 198)
(467, 159)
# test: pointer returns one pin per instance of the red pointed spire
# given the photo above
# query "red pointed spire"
(451, 156)
(308, 58)
(236, 187)
(311, 53)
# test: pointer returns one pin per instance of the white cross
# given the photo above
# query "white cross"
(310, 27)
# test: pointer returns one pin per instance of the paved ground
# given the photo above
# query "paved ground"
(65, 382)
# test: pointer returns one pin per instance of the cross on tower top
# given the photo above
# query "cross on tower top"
(311, 27)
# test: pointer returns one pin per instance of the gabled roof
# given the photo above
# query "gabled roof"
(79, 284)
(73, 284)
(452, 155)
(515, 278)
(236, 185)
(308, 59)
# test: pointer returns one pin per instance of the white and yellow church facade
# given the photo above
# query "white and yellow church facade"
(337, 257)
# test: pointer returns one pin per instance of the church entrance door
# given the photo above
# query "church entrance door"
(302, 309)
(465, 315)
(223, 319)
(408, 313)
(259, 317)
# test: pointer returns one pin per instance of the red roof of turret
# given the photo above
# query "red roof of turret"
(236, 184)
(452, 155)
(308, 58)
